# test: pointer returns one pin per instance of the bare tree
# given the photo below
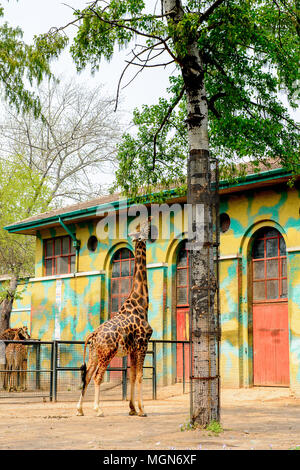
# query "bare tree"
(58, 157)
(71, 145)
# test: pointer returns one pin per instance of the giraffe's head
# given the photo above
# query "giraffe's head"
(23, 333)
(142, 231)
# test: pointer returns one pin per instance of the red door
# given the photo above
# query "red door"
(270, 344)
(182, 313)
(182, 351)
(270, 310)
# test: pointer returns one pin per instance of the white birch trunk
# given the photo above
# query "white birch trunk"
(204, 332)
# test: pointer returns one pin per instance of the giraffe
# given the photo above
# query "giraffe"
(128, 332)
(16, 359)
(9, 333)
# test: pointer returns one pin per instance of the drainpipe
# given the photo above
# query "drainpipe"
(76, 242)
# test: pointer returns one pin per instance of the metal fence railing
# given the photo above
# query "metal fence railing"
(182, 354)
(51, 369)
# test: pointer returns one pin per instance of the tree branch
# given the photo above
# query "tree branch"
(136, 31)
(204, 16)
(164, 121)
(126, 67)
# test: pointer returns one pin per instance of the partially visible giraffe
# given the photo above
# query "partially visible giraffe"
(9, 333)
(16, 360)
(128, 332)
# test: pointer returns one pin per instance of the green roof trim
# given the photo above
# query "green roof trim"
(255, 178)
(124, 203)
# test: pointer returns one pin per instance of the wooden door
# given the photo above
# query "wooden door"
(182, 350)
(270, 344)
(182, 313)
(270, 310)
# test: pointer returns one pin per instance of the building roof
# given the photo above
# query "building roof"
(92, 208)
(73, 208)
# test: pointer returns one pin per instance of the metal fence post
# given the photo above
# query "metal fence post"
(55, 370)
(51, 372)
(38, 366)
(154, 383)
(124, 378)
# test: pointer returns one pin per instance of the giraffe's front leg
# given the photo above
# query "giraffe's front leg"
(132, 411)
(139, 373)
(140, 393)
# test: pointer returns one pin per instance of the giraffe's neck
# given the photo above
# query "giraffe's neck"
(139, 291)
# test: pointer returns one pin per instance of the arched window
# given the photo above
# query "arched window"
(269, 271)
(121, 278)
(182, 277)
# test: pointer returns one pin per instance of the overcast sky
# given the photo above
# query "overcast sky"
(38, 16)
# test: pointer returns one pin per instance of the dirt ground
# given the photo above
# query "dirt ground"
(256, 418)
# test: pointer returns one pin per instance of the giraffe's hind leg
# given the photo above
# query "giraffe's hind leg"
(97, 381)
(13, 377)
(89, 374)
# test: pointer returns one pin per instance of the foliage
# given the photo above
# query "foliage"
(5, 292)
(215, 427)
(21, 196)
(22, 65)
(189, 426)
(247, 64)
(250, 54)
(139, 169)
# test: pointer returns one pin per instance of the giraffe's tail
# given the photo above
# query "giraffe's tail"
(83, 375)
(83, 367)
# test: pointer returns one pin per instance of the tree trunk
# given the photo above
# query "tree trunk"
(204, 328)
(203, 321)
(6, 304)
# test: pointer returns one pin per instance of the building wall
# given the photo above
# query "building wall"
(249, 211)
(70, 306)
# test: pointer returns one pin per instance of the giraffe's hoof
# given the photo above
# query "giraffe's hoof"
(100, 414)
(142, 414)
(132, 413)
(79, 413)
